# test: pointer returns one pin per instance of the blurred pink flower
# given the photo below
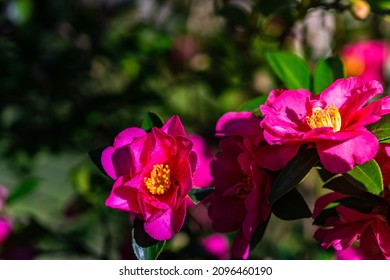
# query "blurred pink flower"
(202, 179)
(153, 175)
(5, 223)
(365, 59)
(202, 176)
(242, 182)
(217, 245)
(5, 229)
(334, 121)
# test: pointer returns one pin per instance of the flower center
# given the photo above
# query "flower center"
(159, 181)
(328, 117)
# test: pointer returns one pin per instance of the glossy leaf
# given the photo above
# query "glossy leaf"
(291, 206)
(253, 105)
(290, 69)
(24, 188)
(367, 176)
(198, 194)
(326, 72)
(293, 173)
(145, 247)
(257, 236)
(381, 129)
(325, 214)
(349, 187)
(96, 156)
(361, 205)
(151, 120)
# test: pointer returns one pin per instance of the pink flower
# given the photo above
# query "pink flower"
(365, 59)
(5, 229)
(5, 223)
(334, 121)
(217, 245)
(153, 175)
(202, 176)
(242, 184)
(370, 229)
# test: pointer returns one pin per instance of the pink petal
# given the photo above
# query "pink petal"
(340, 237)
(385, 105)
(341, 157)
(202, 176)
(352, 253)
(325, 200)
(127, 136)
(341, 91)
(274, 157)
(174, 127)
(365, 116)
(123, 197)
(240, 246)
(117, 160)
(382, 235)
(227, 213)
(163, 227)
(244, 124)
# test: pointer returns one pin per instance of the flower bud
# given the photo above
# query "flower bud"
(360, 9)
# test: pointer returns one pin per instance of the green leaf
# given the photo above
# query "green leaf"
(96, 155)
(23, 189)
(291, 206)
(151, 120)
(325, 174)
(356, 189)
(381, 129)
(381, 7)
(367, 176)
(253, 105)
(325, 214)
(293, 173)
(361, 205)
(326, 72)
(290, 69)
(144, 246)
(198, 194)
(258, 235)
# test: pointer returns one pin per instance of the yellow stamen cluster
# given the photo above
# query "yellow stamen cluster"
(159, 181)
(328, 117)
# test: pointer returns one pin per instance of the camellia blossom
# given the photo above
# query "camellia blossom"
(371, 230)
(153, 174)
(240, 201)
(334, 121)
(365, 59)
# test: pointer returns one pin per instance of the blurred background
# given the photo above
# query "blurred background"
(74, 73)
